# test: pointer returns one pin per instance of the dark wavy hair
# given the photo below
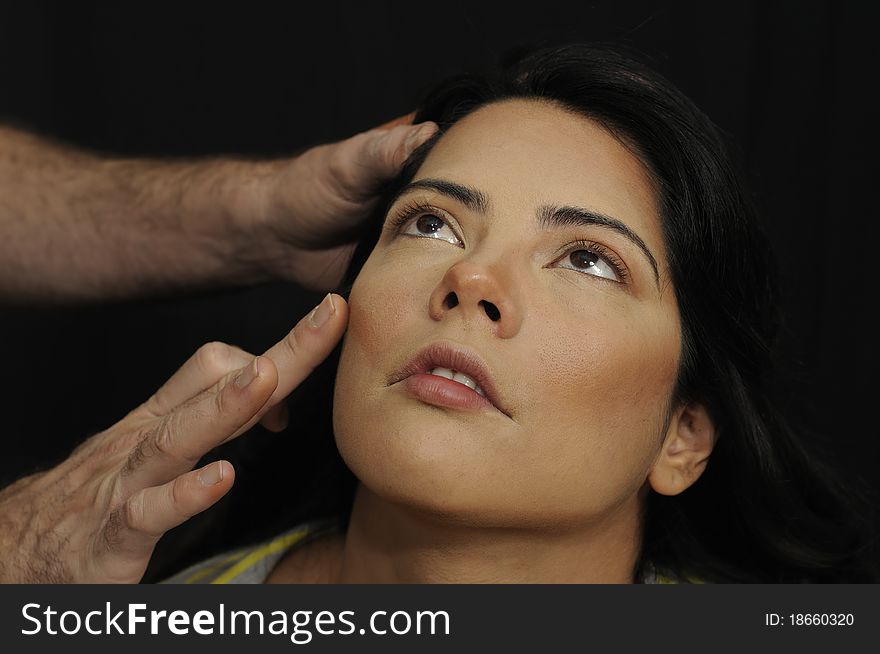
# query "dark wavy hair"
(768, 507)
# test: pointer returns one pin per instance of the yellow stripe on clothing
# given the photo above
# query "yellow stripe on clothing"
(257, 555)
(207, 570)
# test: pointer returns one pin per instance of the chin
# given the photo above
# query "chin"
(414, 454)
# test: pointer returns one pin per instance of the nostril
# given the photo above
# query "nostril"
(491, 310)
(451, 301)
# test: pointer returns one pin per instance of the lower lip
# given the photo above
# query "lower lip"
(445, 392)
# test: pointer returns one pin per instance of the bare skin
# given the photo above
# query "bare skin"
(79, 227)
(96, 517)
(584, 356)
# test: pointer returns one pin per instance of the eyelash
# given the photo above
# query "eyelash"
(609, 256)
(411, 210)
(408, 211)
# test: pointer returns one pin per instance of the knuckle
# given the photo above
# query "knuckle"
(164, 441)
(337, 167)
(213, 357)
(132, 512)
(177, 495)
(341, 165)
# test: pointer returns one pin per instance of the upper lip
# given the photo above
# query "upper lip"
(443, 354)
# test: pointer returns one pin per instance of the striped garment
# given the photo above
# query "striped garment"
(252, 564)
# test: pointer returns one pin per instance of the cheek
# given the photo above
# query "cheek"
(608, 360)
(589, 387)
(603, 384)
(381, 306)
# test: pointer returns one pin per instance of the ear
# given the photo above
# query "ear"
(686, 448)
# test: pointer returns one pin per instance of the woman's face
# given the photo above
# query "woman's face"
(583, 353)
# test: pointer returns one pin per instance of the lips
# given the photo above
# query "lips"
(443, 354)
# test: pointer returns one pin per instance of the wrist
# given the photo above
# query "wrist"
(248, 201)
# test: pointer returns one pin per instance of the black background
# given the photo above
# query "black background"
(791, 84)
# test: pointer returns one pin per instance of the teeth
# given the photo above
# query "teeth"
(442, 372)
(460, 377)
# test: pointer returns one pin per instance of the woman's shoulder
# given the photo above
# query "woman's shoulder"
(253, 563)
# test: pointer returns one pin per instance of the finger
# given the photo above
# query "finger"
(365, 161)
(276, 418)
(406, 119)
(185, 435)
(210, 363)
(307, 345)
(387, 152)
(303, 349)
(139, 522)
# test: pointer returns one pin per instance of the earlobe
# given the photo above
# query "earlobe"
(689, 441)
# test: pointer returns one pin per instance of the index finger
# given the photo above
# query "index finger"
(297, 355)
(306, 346)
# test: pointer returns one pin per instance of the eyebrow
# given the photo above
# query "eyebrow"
(549, 216)
(470, 197)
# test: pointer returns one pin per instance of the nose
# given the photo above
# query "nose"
(480, 295)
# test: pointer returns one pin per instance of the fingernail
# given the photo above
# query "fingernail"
(211, 475)
(322, 312)
(248, 375)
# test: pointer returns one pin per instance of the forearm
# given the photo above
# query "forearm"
(79, 227)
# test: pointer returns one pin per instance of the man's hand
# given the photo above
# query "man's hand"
(79, 227)
(97, 516)
(316, 202)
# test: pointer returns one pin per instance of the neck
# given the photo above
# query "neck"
(391, 543)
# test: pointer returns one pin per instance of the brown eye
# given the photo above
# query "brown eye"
(593, 263)
(583, 258)
(429, 224)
